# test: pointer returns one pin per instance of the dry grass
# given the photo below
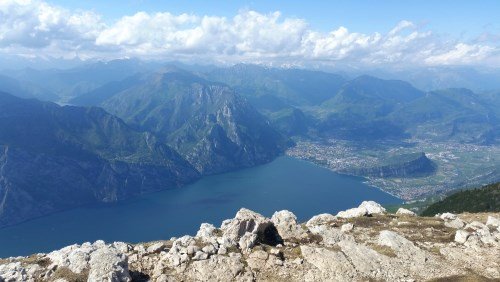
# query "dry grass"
(36, 259)
(463, 278)
(70, 276)
(292, 253)
(429, 230)
(375, 221)
(310, 238)
(481, 217)
(383, 250)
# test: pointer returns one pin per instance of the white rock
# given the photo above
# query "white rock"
(156, 248)
(456, 223)
(247, 241)
(286, 223)
(447, 216)
(191, 250)
(206, 232)
(403, 211)
(461, 236)
(366, 208)
(372, 207)
(321, 219)
(247, 221)
(350, 213)
(12, 272)
(107, 264)
(209, 249)
(121, 246)
(493, 221)
(347, 227)
(200, 256)
(222, 250)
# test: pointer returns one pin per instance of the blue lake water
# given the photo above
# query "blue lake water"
(286, 183)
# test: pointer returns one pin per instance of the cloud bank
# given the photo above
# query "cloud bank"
(33, 28)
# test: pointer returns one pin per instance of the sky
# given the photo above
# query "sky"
(339, 33)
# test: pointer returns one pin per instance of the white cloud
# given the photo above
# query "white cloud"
(36, 28)
(462, 53)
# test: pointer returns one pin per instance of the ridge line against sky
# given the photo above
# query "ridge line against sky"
(46, 29)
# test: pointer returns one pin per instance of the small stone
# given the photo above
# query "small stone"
(403, 211)
(321, 219)
(156, 248)
(347, 227)
(247, 241)
(222, 250)
(461, 236)
(190, 250)
(366, 208)
(200, 256)
(455, 223)
(278, 262)
(493, 221)
(275, 252)
(209, 249)
(447, 216)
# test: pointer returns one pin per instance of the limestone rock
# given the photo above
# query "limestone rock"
(247, 241)
(461, 236)
(366, 208)
(403, 211)
(493, 221)
(454, 223)
(207, 232)
(347, 227)
(107, 264)
(330, 236)
(447, 216)
(156, 248)
(247, 221)
(320, 219)
(286, 224)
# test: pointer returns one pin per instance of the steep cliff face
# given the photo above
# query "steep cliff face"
(360, 244)
(408, 165)
(54, 158)
(212, 127)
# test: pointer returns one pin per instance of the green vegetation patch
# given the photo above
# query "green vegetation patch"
(485, 199)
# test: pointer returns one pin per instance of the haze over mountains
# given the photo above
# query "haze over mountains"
(136, 127)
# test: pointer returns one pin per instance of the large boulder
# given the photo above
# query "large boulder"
(461, 236)
(455, 223)
(321, 219)
(366, 208)
(493, 221)
(107, 264)
(286, 224)
(207, 233)
(247, 221)
(403, 211)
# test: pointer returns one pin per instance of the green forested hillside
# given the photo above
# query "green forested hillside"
(484, 199)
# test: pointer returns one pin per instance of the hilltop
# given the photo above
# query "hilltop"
(484, 199)
(363, 243)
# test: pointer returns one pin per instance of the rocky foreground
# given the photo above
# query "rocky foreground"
(360, 244)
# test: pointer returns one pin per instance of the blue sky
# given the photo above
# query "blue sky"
(455, 17)
(288, 33)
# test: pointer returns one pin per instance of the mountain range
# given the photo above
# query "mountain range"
(134, 127)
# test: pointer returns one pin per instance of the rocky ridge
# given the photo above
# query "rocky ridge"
(363, 243)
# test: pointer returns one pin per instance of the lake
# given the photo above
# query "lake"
(286, 183)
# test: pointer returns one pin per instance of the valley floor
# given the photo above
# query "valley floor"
(458, 165)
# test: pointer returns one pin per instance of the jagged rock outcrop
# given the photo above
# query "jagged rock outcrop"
(365, 208)
(373, 245)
